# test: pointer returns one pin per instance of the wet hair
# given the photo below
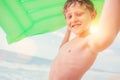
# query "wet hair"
(89, 5)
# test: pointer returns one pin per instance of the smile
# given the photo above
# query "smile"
(76, 25)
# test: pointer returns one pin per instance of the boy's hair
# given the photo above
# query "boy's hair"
(89, 5)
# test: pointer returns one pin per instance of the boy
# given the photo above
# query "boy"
(77, 55)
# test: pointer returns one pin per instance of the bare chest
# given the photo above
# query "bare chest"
(75, 54)
(73, 47)
(74, 51)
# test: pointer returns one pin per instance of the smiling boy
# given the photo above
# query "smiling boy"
(76, 56)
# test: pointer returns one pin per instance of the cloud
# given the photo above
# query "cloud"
(59, 34)
(108, 61)
(26, 46)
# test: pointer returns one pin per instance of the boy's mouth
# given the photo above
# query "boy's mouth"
(75, 25)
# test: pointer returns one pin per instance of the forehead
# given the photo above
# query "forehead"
(75, 7)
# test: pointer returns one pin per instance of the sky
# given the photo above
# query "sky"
(45, 45)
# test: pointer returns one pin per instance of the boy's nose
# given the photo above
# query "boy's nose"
(74, 19)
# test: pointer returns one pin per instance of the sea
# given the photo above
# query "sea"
(21, 67)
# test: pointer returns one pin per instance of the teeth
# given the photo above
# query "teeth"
(76, 25)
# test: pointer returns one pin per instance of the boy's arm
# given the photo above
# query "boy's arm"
(108, 27)
(66, 37)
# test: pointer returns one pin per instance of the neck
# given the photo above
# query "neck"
(84, 34)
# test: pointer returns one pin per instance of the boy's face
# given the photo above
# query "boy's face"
(78, 18)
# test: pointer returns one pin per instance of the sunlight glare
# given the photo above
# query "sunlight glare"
(93, 29)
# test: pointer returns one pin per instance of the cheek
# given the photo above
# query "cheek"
(68, 23)
(86, 17)
(86, 21)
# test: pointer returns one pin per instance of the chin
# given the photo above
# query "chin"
(77, 33)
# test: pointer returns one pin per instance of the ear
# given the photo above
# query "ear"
(93, 14)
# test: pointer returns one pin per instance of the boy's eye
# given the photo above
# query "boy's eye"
(69, 16)
(79, 14)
